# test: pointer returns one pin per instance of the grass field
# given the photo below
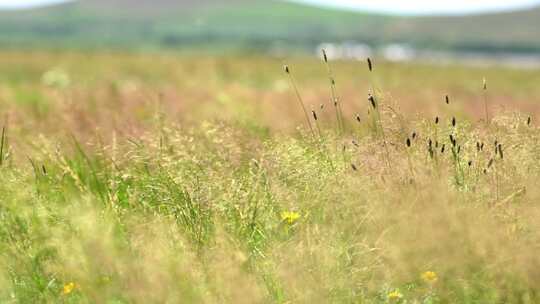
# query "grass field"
(168, 178)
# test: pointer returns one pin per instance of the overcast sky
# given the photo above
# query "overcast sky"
(385, 6)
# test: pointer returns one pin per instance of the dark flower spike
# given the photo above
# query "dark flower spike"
(372, 101)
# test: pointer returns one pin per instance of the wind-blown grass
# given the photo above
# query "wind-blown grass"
(222, 212)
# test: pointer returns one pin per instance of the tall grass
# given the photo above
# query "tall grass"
(226, 212)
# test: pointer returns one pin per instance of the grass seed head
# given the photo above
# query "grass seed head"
(370, 64)
(372, 101)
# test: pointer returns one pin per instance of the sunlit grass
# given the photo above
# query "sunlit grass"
(144, 187)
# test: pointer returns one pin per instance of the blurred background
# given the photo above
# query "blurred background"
(480, 32)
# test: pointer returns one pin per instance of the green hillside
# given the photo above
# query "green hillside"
(255, 23)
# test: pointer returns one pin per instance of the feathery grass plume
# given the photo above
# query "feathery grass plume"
(299, 98)
(370, 64)
(447, 99)
(335, 100)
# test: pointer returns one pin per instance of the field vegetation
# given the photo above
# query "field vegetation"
(166, 178)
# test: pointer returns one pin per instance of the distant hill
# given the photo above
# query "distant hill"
(255, 24)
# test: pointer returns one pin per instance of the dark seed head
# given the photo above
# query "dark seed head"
(443, 147)
(372, 101)
(355, 143)
(314, 115)
(470, 163)
(478, 146)
(286, 68)
(414, 135)
(324, 55)
(490, 163)
(529, 120)
(453, 121)
(452, 140)
(501, 151)
(430, 143)
(436, 144)
(458, 149)
(44, 169)
(408, 142)
(358, 118)
(370, 64)
(437, 120)
(354, 167)
(447, 99)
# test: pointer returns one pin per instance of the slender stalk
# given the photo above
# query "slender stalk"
(299, 98)
(335, 100)
(2, 142)
(486, 101)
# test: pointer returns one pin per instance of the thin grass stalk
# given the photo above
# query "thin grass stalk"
(299, 98)
(335, 101)
(486, 101)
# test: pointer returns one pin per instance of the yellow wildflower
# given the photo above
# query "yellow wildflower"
(68, 288)
(395, 295)
(429, 277)
(290, 217)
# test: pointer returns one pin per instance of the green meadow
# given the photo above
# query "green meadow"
(182, 178)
